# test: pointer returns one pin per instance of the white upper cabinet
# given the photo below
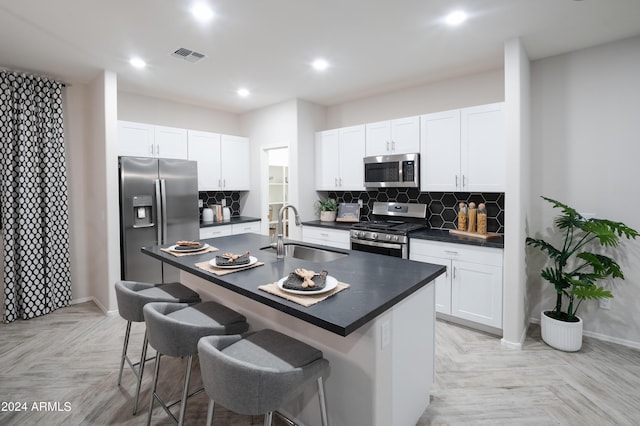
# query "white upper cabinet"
(400, 136)
(483, 148)
(463, 150)
(440, 152)
(204, 147)
(223, 161)
(339, 155)
(147, 140)
(235, 164)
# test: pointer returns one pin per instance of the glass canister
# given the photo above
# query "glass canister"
(482, 219)
(462, 216)
(472, 213)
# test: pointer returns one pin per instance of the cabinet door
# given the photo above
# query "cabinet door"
(405, 135)
(440, 152)
(204, 147)
(352, 151)
(327, 159)
(215, 231)
(378, 138)
(235, 163)
(476, 293)
(135, 139)
(443, 282)
(326, 237)
(483, 159)
(171, 142)
(244, 228)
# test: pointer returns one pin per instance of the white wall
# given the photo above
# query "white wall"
(476, 89)
(144, 109)
(584, 152)
(270, 127)
(517, 112)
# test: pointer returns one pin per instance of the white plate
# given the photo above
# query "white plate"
(330, 284)
(252, 260)
(193, 250)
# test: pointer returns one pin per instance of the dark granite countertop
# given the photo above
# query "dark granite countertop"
(233, 220)
(342, 226)
(442, 235)
(377, 282)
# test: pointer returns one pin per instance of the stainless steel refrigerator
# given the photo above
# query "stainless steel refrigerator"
(158, 205)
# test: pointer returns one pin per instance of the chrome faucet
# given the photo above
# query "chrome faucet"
(279, 229)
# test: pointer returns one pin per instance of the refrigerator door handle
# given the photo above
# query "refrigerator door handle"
(163, 190)
(159, 206)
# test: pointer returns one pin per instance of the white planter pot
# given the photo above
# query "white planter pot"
(328, 216)
(565, 336)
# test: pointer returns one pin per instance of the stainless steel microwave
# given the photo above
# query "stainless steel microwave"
(392, 171)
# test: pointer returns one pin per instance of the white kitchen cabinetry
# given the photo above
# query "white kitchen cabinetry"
(463, 150)
(146, 140)
(223, 161)
(326, 237)
(399, 136)
(339, 154)
(231, 229)
(471, 289)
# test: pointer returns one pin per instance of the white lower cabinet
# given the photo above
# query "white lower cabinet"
(233, 229)
(471, 288)
(326, 237)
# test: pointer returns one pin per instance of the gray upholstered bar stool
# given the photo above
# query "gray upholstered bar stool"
(259, 373)
(131, 297)
(175, 329)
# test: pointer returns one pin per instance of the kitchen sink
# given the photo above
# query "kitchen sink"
(311, 254)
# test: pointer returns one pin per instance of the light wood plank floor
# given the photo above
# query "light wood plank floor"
(71, 356)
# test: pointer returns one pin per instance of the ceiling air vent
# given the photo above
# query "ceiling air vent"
(188, 55)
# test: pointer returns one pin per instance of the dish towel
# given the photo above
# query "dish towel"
(224, 271)
(305, 300)
(181, 253)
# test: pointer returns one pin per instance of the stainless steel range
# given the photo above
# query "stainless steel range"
(388, 232)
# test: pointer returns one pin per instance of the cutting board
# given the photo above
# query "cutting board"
(475, 234)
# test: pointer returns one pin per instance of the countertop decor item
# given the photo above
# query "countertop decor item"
(328, 209)
(576, 267)
(348, 212)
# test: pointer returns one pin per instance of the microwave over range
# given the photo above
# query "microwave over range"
(392, 171)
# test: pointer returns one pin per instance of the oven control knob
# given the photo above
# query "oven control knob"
(374, 236)
(395, 238)
(388, 237)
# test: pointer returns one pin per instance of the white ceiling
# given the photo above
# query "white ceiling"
(266, 45)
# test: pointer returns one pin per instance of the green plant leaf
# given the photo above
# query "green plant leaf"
(551, 251)
(591, 292)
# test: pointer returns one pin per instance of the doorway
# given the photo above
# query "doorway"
(278, 162)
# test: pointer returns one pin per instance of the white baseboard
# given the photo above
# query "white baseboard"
(98, 304)
(515, 345)
(604, 337)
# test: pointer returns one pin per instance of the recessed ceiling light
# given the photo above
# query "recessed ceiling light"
(456, 17)
(320, 64)
(202, 12)
(137, 63)
(243, 93)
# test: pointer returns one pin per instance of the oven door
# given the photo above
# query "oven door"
(379, 247)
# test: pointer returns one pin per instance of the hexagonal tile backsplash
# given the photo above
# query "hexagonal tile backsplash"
(442, 206)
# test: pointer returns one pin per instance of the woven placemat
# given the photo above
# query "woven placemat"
(224, 271)
(182, 253)
(305, 300)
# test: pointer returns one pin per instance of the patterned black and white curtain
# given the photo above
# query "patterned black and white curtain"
(33, 197)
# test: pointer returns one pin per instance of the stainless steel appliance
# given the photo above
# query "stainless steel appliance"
(158, 205)
(392, 171)
(388, 232)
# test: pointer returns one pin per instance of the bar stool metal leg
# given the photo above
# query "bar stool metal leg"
(154, 386)
(143, 359)
(210, 410)
(185, 390)
(124, 351)
(267, 418)
(323, 402)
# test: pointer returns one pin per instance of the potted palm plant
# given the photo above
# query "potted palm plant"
(328, 209)
(575, 270)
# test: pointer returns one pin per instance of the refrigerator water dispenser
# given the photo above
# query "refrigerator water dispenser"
(142, 211)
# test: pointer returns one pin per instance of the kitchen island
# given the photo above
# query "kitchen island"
(378, 334)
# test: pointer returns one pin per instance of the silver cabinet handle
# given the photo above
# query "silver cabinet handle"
(387, 145)
(158, 150)
(454, 272)
(340, 181)
(219, 183)
(464, 181)
(336, 182)
(393, 146)
(453, 252)
(456, 181)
